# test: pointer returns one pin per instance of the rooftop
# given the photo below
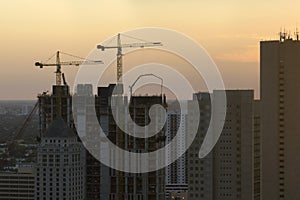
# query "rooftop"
(58, 128)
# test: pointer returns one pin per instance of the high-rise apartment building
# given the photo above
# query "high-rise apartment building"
(85, 105)
(280, 111)
(60, 103)
(227, 172)
(121, 185)
(60, 171)
(200, 172)
(257, 167)
(176, 172)
(151, 185)
(103, 182)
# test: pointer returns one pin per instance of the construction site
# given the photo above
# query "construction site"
(101, 182)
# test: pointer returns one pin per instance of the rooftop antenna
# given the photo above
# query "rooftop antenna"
(283, 35)
(280, 35)
(289, 35)
(297, 34)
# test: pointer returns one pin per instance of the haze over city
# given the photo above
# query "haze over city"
(229, 30)
(149, 100)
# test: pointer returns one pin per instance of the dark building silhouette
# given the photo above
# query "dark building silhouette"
(120, 185)
(102, 182)
(176, 172)
(227, 172)
(86, 105)
(60, 171)
(52, 105)
(280, 108)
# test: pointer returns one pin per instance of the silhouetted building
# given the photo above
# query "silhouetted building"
(257, 168)
(176, 172)
(151, 185)
(226, 173)
(61, 164)
(52, 105)
(49, 105)
(103, 182)
(121, 185)
(200, 172)
(280, 113)
(86, 103)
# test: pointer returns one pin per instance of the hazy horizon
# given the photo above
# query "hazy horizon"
(229, 30)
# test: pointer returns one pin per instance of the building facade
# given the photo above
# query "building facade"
(257, 165)
(60, 172)
(86, 104)
(59, 103)
(140, 186)
(18, 185)
(101, 182)
(227, 172)
(109, 183)
(280, 110)
(176, 172)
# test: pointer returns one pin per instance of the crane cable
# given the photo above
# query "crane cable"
(78, 57)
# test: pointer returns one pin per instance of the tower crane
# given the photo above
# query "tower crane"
(119, 86)
(59, 64)
(119, 46)
(59, 75)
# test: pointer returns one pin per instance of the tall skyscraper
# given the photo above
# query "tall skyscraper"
(280, 113)
(227, 172)
(153, 183)
(200, 172)
(83, 112)
(103, 182)
(257, 168)
(176, 172)
(57, 107)
(121, 185)
(61, 164)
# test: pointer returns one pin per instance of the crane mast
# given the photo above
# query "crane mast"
(119, 61)
(58, 69)
(119, 47)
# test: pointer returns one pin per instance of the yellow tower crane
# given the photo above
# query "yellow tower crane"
(59, 75)
(59, 63)
(119, 46)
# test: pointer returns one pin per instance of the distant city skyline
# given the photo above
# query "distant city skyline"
(229, 31)
(254, 158)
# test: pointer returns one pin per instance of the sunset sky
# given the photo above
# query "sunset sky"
(229, 30)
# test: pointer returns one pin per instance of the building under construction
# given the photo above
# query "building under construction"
(52, 105)
(117, 184)
(103, 182)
